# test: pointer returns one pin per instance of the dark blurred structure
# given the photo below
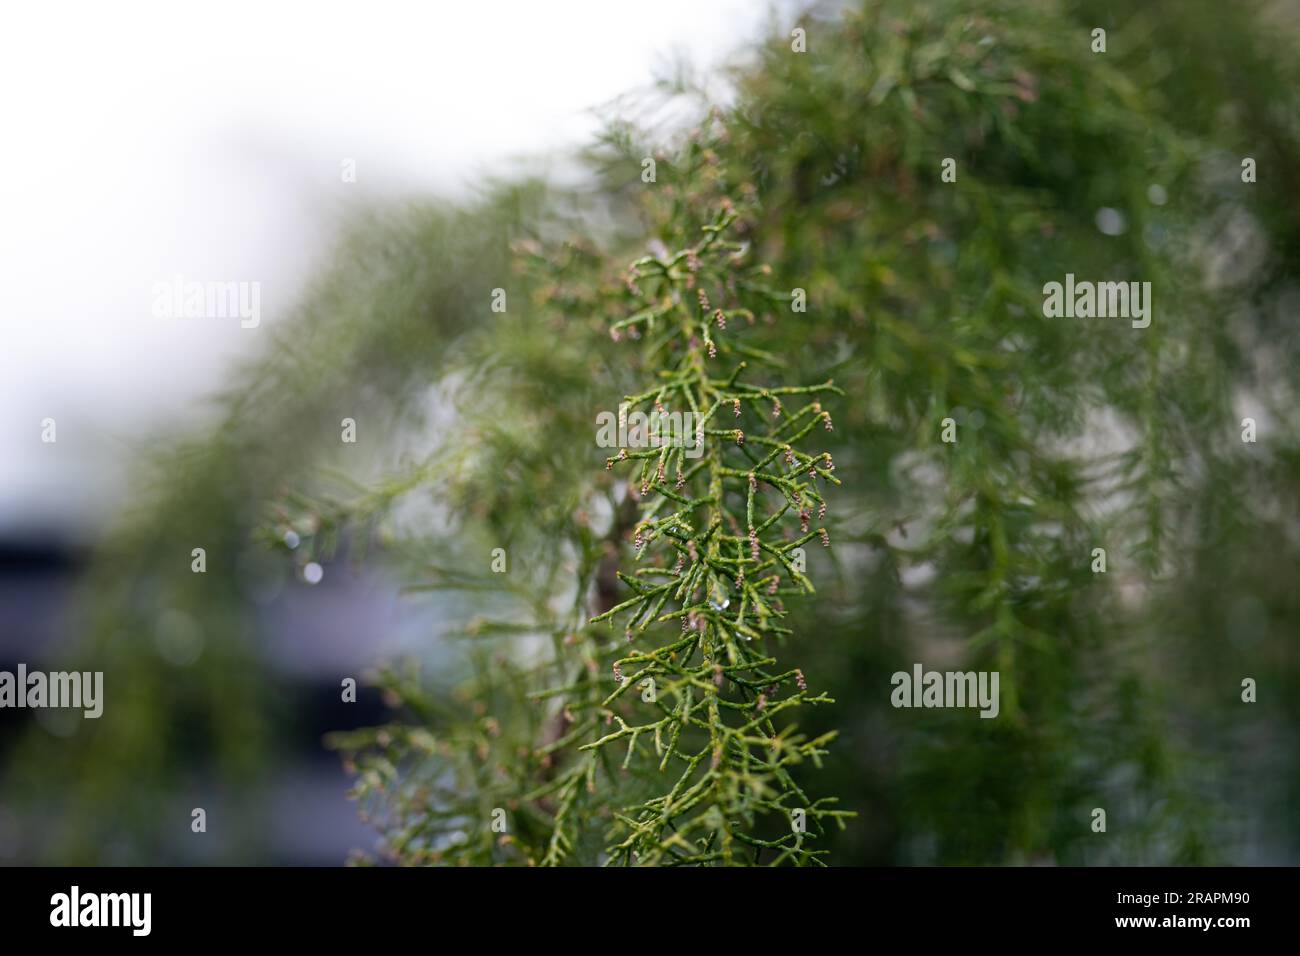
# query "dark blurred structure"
(308, 643)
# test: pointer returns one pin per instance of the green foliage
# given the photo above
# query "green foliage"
(1120, 690)
(718, 521)
(926, 297)
(718, 757)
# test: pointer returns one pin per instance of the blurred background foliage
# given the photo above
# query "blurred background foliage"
(1119, 691)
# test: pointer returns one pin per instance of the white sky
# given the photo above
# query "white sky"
(147, 140)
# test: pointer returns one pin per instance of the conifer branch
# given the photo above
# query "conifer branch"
(720, 534)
